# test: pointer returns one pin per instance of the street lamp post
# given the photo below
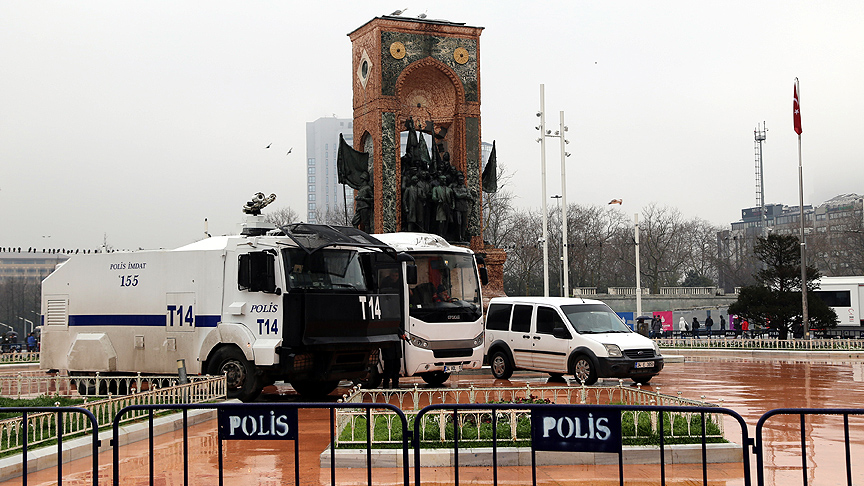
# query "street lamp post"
(561, 283)
(638, 271)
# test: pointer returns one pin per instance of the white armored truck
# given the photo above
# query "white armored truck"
(300, 304)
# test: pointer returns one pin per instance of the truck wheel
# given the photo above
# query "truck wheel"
(583, 370)
(372, 380)
(314, 389)
(435, 378)
(241, 376)
(501, 367)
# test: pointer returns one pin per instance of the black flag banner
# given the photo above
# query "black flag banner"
(490, 172)
(350, 164)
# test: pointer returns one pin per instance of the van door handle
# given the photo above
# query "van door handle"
(525, 336)
(536, 337)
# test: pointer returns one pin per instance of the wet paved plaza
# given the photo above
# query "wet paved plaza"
(748, 386)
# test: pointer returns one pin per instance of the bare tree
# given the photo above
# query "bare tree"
(282, 216)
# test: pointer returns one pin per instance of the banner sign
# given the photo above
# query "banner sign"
(576, 429)
(257, 423)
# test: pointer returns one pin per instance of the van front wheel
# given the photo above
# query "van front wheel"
(583, 370)
(501, 367)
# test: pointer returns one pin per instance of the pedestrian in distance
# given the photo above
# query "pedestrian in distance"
(709, 325)
(745, 328)
(31, 342)
(722, 325)
(656, 326)
(695, 328)
(682, 326)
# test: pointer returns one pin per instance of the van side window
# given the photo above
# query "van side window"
(498, 317)
(548, 320)
(522, 318)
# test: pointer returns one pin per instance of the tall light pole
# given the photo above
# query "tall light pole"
(557, 198)
(542, 141)
(560, 135)
(564, 235)
(638, 271)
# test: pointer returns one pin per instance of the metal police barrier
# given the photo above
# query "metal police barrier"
(263, 421)
(759, 449)
(578, 428)
(29, 415)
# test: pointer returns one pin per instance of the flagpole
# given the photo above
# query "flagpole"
(796, 116)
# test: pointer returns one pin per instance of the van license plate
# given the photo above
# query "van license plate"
(452, 368)
(644, 364)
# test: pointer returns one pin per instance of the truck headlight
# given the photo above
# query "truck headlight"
(613, 350)
(418, 341)
(478, 340)
(656, 348)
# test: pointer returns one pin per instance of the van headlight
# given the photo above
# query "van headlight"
(418, 341)
(613, 350)
(478, 340)
(656, 348)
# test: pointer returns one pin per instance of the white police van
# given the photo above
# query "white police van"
(564, 336)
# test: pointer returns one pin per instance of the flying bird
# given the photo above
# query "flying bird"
(616, 201)
(289, 150)
(268, 145)
(399, 12)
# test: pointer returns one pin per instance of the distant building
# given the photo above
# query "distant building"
(323, 192)
(28, 264)
(834, 231)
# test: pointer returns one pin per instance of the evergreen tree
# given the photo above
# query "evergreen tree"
(774, 302)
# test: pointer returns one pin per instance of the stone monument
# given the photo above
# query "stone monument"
(422, 76)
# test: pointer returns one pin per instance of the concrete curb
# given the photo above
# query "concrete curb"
(81, 447)
(521, 456)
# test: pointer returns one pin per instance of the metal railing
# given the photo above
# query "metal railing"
(254, 411)
(351, 425)
(802, 413)
(46, 425)
(703, 342)
(584, 291)
(51, 421)
(11, 357)
(34, 383)
(660, 428)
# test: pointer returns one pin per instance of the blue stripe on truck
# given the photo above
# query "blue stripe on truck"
(135, 320)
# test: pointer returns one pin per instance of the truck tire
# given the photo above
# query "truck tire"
(372, 380)
(314, 389)
(435, 378)
(243, 380)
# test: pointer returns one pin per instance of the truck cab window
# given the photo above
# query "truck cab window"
(256, 272)
(331, 270)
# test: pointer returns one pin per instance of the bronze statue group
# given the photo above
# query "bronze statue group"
(435, 198)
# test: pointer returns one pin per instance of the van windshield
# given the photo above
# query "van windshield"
(594, 319)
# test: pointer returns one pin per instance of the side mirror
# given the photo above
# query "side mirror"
(411, 274)
(561, 333)
(484, 275)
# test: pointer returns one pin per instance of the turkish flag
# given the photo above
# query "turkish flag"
(796, 109)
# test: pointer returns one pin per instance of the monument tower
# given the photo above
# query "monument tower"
(427, 71)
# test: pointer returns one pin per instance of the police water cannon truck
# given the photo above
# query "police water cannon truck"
(301, 303)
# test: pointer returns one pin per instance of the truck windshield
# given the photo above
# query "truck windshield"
(445, 282)
(594, 319)
(324, 270)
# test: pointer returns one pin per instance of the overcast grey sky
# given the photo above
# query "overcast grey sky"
(137, 120)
